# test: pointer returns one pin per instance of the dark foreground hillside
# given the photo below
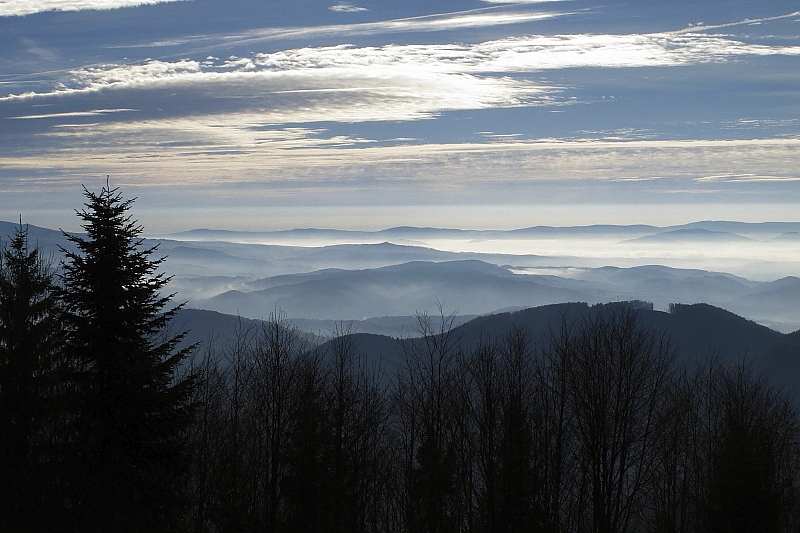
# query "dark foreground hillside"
(606, 418)
(695, 331)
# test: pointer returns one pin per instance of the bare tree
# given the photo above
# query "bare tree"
(234, 484)
(356, 451)
(429, 423)
(524, 440)
(671, 500)
(596, 431)
(752, 460)
(617, 376)
(278, 349)
(485, 415)
(304, 485)
(206, 442)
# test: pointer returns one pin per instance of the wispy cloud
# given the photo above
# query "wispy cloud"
(621, 51)
(748, 178)
(11, 8)
(521, 1)
(519, 54)
(394, 82)
(459, 20)
(345, 7)
(70, 114)
(701, 26)
(349, 84)
(240, 148)
(339, 83)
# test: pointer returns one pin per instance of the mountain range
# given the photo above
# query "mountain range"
(477, 287)
(712, 228)
(320, 276)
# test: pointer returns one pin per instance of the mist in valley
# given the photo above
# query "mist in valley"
(331, 275)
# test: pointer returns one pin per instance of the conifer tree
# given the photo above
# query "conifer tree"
(29, 348)
(132, 408)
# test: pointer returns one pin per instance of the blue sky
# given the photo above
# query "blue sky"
(367, 114)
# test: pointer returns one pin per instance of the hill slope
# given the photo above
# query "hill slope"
(695, 331)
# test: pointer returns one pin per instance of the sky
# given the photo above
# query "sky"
(487, 114)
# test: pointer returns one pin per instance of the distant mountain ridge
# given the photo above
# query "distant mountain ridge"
(733, 227)
(791, 236)
(692, 234)
(730, 230)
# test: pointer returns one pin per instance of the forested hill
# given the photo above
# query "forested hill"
(695, 332)
(545, 404)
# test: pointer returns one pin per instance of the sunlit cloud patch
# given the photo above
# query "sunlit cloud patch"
(345, 7)
(10, 8)
(521, 1)
(462, 20)
(523, 54)
(339, 83)
(748, 178)
(408, 82)
(69, 114)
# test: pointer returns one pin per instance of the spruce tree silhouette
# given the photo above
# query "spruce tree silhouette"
(132, 408)
(29, 349)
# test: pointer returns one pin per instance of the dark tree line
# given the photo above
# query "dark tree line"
(93, 415)
(107, 425)
(31, 388)
(595, 429)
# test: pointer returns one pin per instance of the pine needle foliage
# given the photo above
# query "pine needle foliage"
(132, 408)
(30, 344)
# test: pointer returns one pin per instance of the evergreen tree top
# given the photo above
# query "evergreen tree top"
(110, 283)
(25, 276)
(110, 229)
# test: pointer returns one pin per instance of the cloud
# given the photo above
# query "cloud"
(232, 160)
(242, 148)
(476, 65)
(705, 27)
(133, 75)
(339, 83)
(346, 8)
(348, 84)
(69, 114)
(11, 8)
(748, 178)
(238, 105)
(237, 111)
(617, 51)
(521, 1)
(475, 18)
